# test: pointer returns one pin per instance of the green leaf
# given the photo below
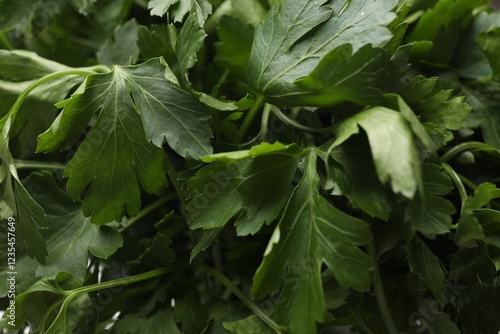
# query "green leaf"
(343, 76)
(435, 108)
(21, 65)
(116, 155)
(233, 50)
(392, 146)
(70, 237)
(83, 6)
(252, 187)
(122, 49)
(30, 216)
(489, 41)
(157, 41)
(442, 25)
(249, 325)
(39, 299)
(354, 176)
(469, 229)
(189, 42)
(161, 321)
(180, 8)
(310, 232)
(296, 37)
(430, 215)
(490, 224)
(427, 266)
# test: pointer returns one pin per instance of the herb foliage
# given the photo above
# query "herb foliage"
(223, 166)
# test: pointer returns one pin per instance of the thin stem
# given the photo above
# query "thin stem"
(172, 175)
(5, 42)
(378, 286)
(285, 119)
(250, 117)
(468, 146)
(26, 164)
(41, 81)
(457, 181)
(245, 300)
(120, 281)
(148, 209)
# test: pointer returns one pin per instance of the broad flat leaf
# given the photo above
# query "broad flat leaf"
(490, 224)
(249, 325)
(191, 313)
(189, 42)
(343, 76)
(158, 41)
(489, 41)
(353, 172)
(392, 146)
(442, 26)
(180, 8)
(469, 57)
(116, 155)
(28, 213)
(427, 266)
(435, 107)
(481, 316)
(469, 229)
(252, 187)
(471, 267)
(310, 232)
(34, 303)
(70, 237)
(296, 37)
(122, 49)
(235, 45)
(160, 321)
(203, 239)
(430, 215)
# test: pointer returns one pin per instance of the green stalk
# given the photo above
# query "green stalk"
(250, 117)
(5, 42)
(468, 146)
(119, 281)
(245, 300)
(457, 181)
(26, 164)
(378, 287)
(83, 72)
(148, 209)
(282, 117)
(172, 175)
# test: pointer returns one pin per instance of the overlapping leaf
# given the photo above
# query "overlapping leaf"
(297, 36)
(250, 185)
(392, 146)
(180, 8)
(116, 155)
(70, 237)
(310, 232)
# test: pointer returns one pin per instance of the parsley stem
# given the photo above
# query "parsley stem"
(244, 299)
(250, 117)
(26, 164)
(285, 119)
(5, 42)
(82, 72)
(378, 286)
(148, 209)
(120, 281)
(468, 146)
(457, 181)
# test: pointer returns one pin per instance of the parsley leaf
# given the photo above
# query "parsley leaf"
(310, 232)
(295, 38)
(112, 152)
